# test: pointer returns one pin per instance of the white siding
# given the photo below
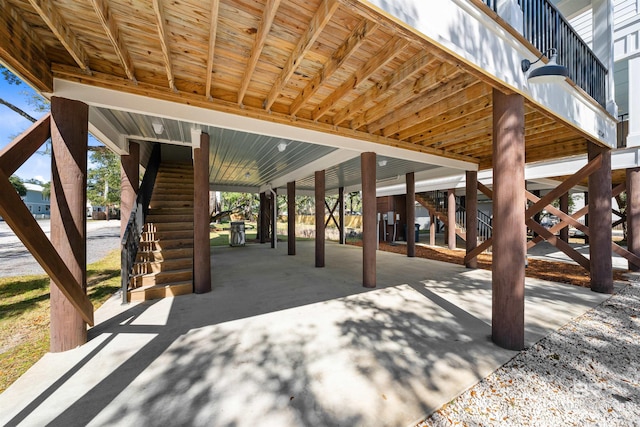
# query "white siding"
(583, 24)
(623, 10)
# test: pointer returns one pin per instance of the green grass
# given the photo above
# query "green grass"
(24, 314)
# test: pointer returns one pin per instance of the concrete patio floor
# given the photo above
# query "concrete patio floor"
(281, 343)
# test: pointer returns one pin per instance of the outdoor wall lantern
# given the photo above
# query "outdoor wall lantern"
(548, 73)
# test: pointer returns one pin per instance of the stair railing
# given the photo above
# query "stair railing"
(485, 228)
(131, 238)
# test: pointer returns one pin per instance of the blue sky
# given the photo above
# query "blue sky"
(12, 125)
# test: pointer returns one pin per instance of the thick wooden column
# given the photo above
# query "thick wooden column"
(69, 136)
(291, 218)
(341, 214)
(129, 183)
(432, 230)
(509, 253)
(411, 214)
(201, 217)
(369, 232)
(319, 187)
(263, 218)
(471, 212)
(451, 218)
(274, 218)
(600, 222)
(586, 217)
(633, 214)
(564, 207)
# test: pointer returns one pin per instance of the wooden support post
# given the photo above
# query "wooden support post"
(274, 218)
(564, 207)
(319, 187)
(633, 214)
(69, 136)
(341, 215)
(536, 217)
(411, 214)
(600, 221)
(471, 198)
(451, 218)
(432, 230)
(509, 254)
(129, 183)
(201, 217)
(263, 218)
(369, 244)
(291, 218)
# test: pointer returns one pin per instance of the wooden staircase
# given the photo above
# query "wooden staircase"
(434, 210)
(164, 264)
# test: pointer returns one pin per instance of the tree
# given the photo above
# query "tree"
(18, 185)
(103, 179)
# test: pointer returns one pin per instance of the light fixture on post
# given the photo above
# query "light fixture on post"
(548, 73)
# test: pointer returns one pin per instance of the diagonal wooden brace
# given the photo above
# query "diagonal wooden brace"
(559, 243)
(23, 147)
(331, 212)
(566, 220)
(565, 186)
(18, 217)
(478, 250)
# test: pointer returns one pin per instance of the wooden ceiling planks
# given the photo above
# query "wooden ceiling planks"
(331, 65)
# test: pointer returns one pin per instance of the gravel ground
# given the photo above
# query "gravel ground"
(15, 259)
(587, 373)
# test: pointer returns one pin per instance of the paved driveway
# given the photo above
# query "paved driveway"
(15, 259)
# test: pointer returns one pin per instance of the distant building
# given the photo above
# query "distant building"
(36, 202)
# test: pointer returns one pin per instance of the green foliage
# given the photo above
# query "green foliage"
(18, 185)
(9, 76)
(246, 202)
(103, 178)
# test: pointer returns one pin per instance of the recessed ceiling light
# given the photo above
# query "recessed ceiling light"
(158, 128)
(382, 162)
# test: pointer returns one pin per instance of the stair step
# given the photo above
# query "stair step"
(160, 197)
(162, 245)
(149, 236)
(166, 265)
(171, 211)
(161, 277)
(172, 192)
(160, 291)
(169, 203)
(169, 226)
(158, 218)
(167, 254)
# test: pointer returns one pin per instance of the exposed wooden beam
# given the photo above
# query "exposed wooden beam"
(431, 89)
(383, 57)
(23, 147)
(22, 51)
(164, 41)
(111, 29)
(213, 31)
(340, 55)
(269, 14)
(420, 61)
(61, 30)
(116, 83)
(320, 20)
(477, 96)
(18, 217)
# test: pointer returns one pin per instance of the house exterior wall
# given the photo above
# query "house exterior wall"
(38, 205)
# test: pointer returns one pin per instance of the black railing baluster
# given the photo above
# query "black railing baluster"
(545, 27)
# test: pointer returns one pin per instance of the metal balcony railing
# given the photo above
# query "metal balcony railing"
(545, 27)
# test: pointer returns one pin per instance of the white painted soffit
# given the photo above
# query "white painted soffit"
(459, 27)
(106, 133)
(540, 172)
(332, 159)
(108, 98)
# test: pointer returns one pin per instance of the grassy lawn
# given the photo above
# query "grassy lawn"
(24, 314)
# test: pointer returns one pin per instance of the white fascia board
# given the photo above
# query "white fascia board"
(549, 184)
(468, 33)
(106, 133)
(334, 158)
(108, 98)
(234, 189)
